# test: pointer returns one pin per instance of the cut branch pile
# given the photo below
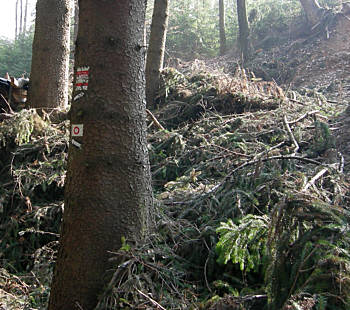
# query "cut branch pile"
(252, 203)
(185, 98)
(279, 164)
(33, 163)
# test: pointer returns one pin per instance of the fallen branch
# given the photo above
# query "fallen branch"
(296, 101)
(253, 162)
(156, 122)
(314, 179)
(307, 160)
(7, 103)
(151, 300)
(4, 116)
(290, 133)
(269, 150)
(302, 117)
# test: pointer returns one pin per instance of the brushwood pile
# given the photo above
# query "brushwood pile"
(251, 192)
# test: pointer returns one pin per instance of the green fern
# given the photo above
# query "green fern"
(309, 244)
(18, 128)
(321, 302)
(323, 139)
(243, 244)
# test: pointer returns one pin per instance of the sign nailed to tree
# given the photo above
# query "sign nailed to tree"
(82, 78)
(77, 130)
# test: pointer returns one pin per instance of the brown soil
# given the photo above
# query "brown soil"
(328, 70)
(328, 63)
(320, 63)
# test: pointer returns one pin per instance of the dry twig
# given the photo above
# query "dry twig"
(290, 133)
(151, 300)
(315, 178)
(154, 119)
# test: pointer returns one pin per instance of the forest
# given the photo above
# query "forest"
(176, 155)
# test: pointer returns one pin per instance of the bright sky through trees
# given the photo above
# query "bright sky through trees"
(7, 16)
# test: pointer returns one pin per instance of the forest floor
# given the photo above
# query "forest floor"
(234, 147)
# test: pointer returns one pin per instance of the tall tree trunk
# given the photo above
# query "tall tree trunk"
(25, 17)
(312, 10)
(21, 17)
(243, 30)
(49, 72)
(16, 29)
(108, 194)
(222, 27)
(155, 54)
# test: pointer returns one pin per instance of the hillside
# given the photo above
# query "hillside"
(251, 183)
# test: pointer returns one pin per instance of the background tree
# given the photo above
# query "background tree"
(20, 18)
(243, 30)
(16, 19)
(222, 27)
(193, 29)
(25, 17)
(156, 48)
(108, 195)
(312, 10)
(49, 71)
(16, 55)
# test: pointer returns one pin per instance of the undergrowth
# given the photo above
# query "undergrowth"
(33, 162)
(251, 203)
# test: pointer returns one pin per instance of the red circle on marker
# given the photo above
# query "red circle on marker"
(76, 130)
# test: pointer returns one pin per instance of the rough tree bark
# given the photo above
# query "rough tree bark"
(243, 30)
(108, 192)
(312, 10)
(222, 27)
(155, 54)
(49, 72)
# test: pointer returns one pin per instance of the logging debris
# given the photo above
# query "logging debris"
(234, 148)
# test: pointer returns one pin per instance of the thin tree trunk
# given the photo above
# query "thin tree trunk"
(21, 18)
(16, 29)
(155, 54)
(222, 27)
(25, 17)
(243, 30)
(49, 72)
(108, 194)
